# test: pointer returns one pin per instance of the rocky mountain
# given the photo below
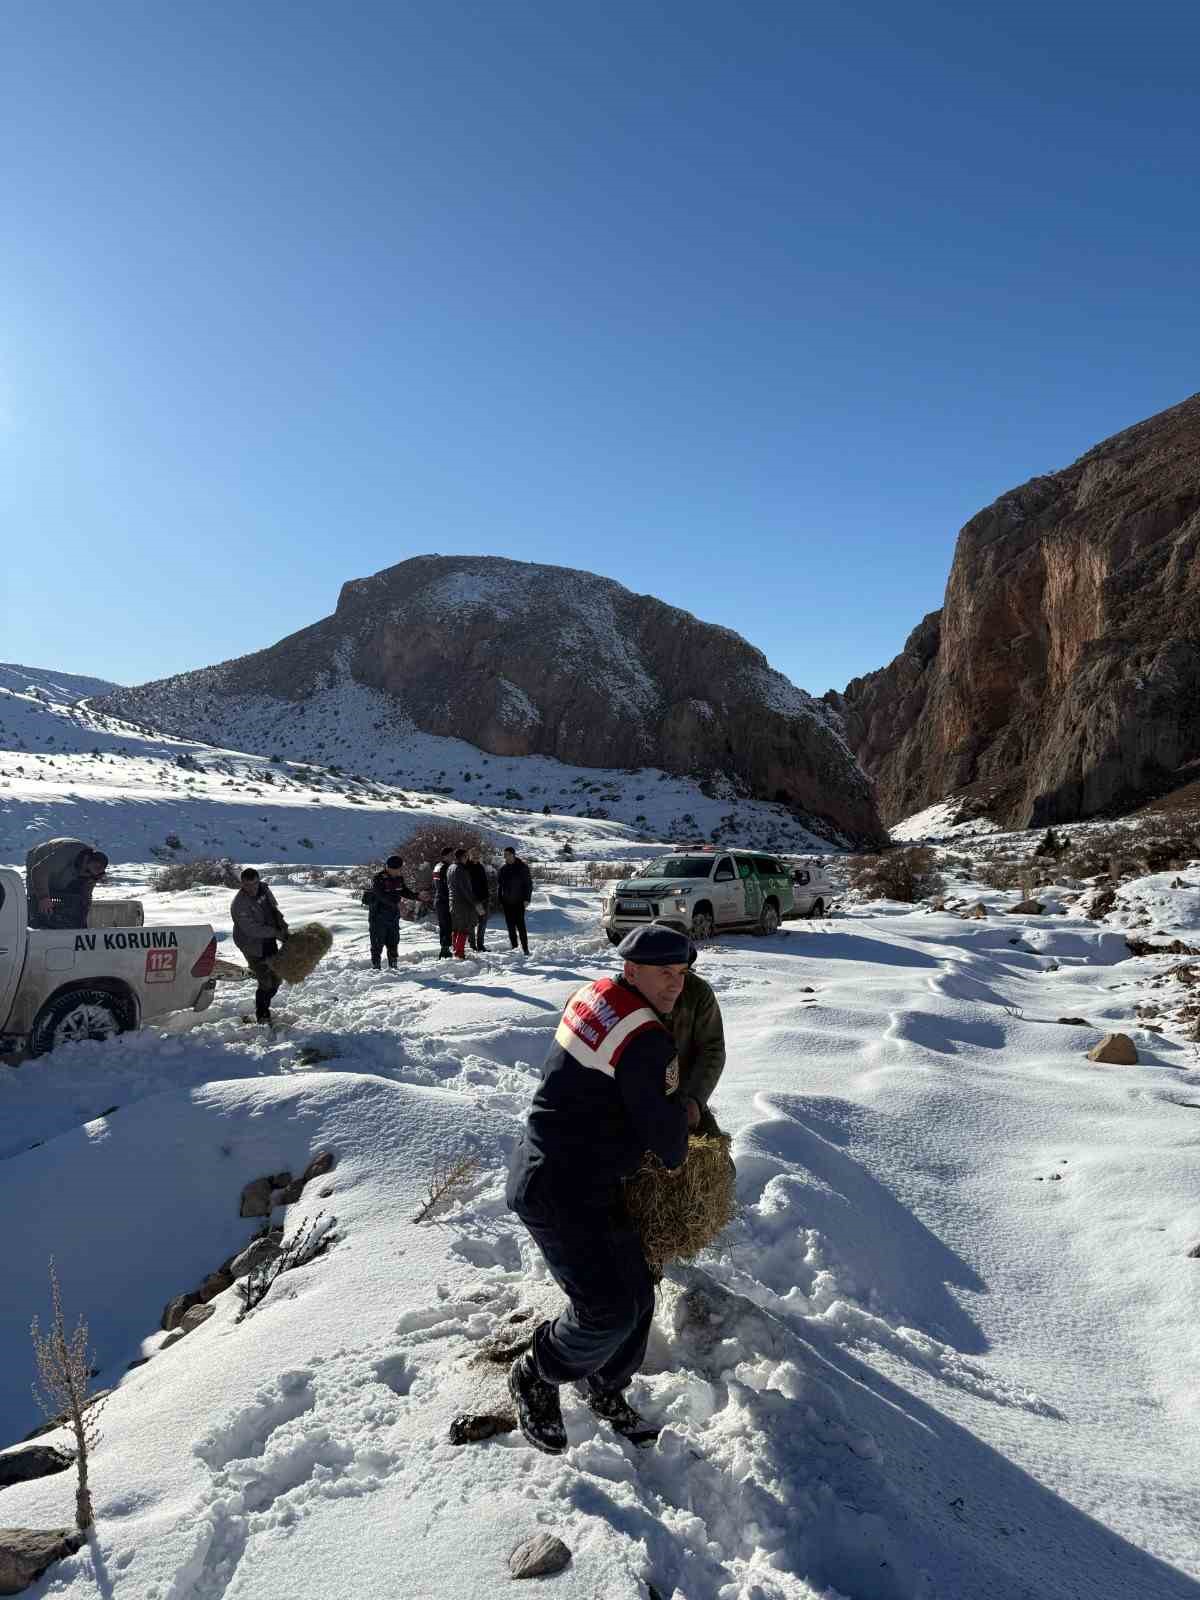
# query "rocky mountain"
(1061, 678)
(518, 659)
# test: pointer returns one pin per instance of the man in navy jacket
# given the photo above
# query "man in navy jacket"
(607, 1095)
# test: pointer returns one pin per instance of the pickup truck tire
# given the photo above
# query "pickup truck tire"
(768, 918)
(703, 924)
(818, 908)
(79, 1014)
(614, 938)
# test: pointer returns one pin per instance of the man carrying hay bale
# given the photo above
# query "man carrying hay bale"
(606, 1097)
(258, 928)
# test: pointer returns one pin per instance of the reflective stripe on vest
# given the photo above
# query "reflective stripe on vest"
(598, 1023)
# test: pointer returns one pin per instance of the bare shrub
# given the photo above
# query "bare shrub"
(428, 839)
(64, 1376)
(310, 1240)
(601, 871)
(205, 871)
(1005, 874)
(356, 878)
(449, 1180)
(908, 875)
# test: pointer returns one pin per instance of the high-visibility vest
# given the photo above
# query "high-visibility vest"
(599, 1021)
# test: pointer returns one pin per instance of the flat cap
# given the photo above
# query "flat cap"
(657, 945)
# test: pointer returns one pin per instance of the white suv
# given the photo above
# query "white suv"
(704, 891)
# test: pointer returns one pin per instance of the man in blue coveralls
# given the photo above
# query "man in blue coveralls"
(607, 1095)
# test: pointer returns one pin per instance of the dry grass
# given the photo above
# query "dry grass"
(305, 948)
(681, 1213)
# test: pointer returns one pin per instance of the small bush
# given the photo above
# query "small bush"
(451, 1179)
(205, 871)
(428, 839)
(311, 1240)
(908, 875)
(1004, 874)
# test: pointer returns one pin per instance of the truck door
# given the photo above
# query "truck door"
(751, 889)
(726, 893)
(12, 939)
(802, 895)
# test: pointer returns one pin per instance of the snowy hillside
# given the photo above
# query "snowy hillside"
(520, 659)
(947, 1354)
(73, 770)
(66, 687)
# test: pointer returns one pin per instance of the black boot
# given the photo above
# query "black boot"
(538, 1411)
(611, 1406)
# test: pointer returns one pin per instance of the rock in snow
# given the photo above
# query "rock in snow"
(539, 1556)
(25, 1553)
(35, 1461)
(1115, 1048)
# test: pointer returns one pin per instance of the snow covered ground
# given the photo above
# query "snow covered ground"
(947, 1352)
(944, 820)
(69, 770)
(65, 687)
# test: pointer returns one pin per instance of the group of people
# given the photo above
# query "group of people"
(633, 1064)
(61, 876)
(461, 896)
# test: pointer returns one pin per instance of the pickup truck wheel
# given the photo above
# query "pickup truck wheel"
(702, 925)
(818, 908)
(768, 921)
(81, 1014)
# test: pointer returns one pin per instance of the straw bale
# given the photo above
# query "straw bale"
(681, 1213)
(305, 947)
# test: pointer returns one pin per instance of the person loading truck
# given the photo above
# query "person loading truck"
(60, 877)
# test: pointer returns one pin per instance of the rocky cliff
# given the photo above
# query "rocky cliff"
(519, 659)
(1061, 677)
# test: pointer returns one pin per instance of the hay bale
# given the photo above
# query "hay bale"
(680, 1213)
(305, 947)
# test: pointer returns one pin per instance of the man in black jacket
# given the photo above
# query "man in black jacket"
(482, 890)
(441, 900)
(258, 929)
(607, 1095)
(515, 888)
(382, 901)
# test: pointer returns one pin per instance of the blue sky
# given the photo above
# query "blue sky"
(748, 306)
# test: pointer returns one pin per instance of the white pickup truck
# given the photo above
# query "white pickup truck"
(59, 985)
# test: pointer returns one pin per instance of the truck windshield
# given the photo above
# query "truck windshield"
(678, 867)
